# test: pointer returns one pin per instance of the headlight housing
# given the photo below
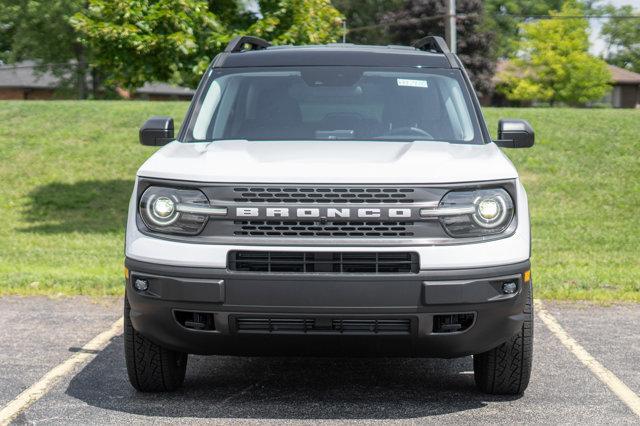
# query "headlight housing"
(479, 212)
(162, 210)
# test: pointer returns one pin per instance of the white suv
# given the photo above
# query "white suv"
(330, 200)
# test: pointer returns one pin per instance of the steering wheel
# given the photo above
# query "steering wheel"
(408, 130)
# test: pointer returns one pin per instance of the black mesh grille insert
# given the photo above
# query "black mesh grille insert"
(273, 194)
(328, 262)
(289, 228)
(324, 325)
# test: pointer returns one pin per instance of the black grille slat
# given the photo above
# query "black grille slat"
(305, 228)
(324, 262)
(270, 325)
(376, 326)
(274, 325)
(323, 195)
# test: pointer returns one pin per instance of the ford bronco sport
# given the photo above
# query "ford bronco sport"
(330, 200)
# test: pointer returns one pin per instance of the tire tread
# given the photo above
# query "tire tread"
(151, 367)
(506, 369)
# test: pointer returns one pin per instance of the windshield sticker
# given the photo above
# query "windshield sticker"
(412, 83)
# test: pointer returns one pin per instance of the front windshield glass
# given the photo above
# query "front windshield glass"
(334, 103)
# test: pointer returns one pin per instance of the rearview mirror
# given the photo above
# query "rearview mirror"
(514, 134)
(157, 131)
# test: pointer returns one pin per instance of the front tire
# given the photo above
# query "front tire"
(151, 368)
(506, 370)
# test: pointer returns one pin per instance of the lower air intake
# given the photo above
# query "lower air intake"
(323, 325)
(329, 262)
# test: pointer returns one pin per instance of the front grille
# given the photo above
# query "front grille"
(323, 325)
(271, 228)
(325, 262)
(309, 195)
(276, 212)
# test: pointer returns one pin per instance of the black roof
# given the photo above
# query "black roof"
(334, 54)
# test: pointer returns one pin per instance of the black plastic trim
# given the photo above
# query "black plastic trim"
(336, 55)
(424, 275)
(324, 297)
(475, 102)
(236, 45)
(434, 44)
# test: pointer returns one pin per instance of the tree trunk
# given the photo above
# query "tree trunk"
(82, 69)
(95, 82)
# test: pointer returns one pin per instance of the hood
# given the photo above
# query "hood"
(241, 161)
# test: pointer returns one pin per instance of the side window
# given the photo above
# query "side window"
(453, 118)
(207, 110)
(225, 109)
(458, 112)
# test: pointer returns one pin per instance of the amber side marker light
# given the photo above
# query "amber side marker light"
(126, 273)
(527, 276)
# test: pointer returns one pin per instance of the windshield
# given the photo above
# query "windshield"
(334, 103)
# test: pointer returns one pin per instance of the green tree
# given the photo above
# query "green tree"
(504, 18)
(235, 13)
(623, 37)
(41, 30)
(175, 40)
(297, 22)
(419, 18)
(164, 40)
(555, 65)
(7, 30)
(364, 19)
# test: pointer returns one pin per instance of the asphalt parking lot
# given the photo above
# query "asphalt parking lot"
(38, 334)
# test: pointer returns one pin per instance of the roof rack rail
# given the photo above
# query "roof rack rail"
(433, 44)
(238, 43)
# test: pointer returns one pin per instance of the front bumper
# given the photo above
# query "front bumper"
(323, 300)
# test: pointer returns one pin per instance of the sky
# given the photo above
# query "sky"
(598, 46)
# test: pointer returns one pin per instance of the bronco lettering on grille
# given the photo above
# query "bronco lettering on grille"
(325, 212)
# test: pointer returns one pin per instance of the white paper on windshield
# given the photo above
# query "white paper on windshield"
(412, 83)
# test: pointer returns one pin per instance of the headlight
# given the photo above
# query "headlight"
(163, 210)
(491, 210)
(474, 213)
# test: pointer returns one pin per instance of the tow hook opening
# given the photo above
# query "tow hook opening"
(200, 321)
(452, 323)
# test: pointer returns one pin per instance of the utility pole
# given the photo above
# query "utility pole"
(450, 25)
(344, 30)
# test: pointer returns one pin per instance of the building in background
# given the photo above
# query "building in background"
(19, 81)
(625, 89)
(22, 81)
(163, 92)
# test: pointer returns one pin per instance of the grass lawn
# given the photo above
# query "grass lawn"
(67, 169)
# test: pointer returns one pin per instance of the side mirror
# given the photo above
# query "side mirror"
(514, 134)
(157, 131)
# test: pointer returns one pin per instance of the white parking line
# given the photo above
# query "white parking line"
(42, 386)
(90, 350)
(622, 391)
